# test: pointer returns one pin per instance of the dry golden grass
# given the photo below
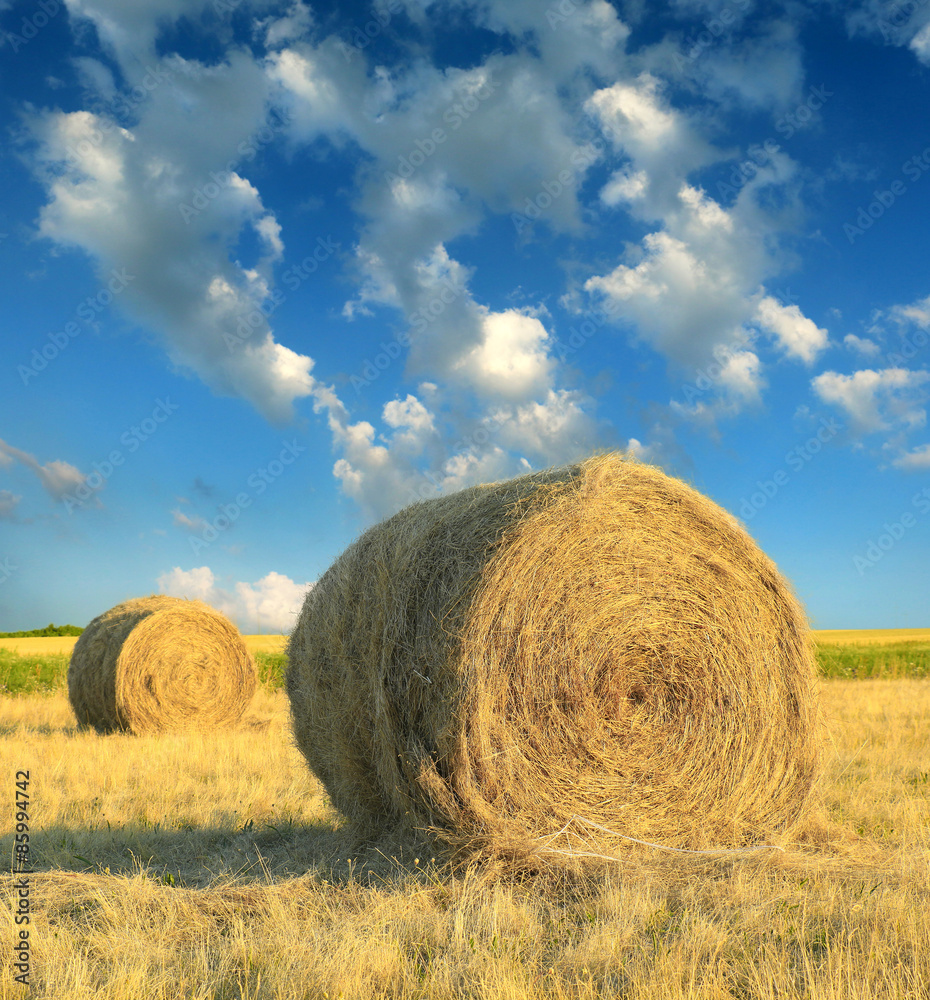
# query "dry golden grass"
(209, 866)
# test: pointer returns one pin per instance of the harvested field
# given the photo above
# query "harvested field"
(180, 865)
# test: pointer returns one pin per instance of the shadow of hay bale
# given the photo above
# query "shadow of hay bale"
(230, 851)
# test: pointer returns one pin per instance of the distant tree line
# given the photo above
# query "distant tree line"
(48, 630)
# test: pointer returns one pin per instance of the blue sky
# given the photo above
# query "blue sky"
(273, 270)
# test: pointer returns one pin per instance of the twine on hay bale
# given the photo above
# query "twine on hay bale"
(160, 663)
(598, 642)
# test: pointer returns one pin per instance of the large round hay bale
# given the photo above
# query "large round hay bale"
(159, 663)
(598, 644)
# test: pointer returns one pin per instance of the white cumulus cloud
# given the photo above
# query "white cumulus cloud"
(511, 361)
(883, 400)
(162, 202)
(916, 460)
(862, 345)
(796, 334)
(271, 604)
(695, 287)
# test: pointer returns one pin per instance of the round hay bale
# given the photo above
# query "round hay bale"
(597, 644)
(160, 663)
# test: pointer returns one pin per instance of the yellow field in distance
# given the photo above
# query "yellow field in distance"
(869, 636)
(276, 643)
(265, 643)
(37, 646)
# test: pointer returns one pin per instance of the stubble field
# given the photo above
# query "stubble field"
(211, 866)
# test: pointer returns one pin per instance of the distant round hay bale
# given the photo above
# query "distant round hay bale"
(159, 663)
(597, 644)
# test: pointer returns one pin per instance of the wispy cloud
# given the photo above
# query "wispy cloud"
(195, 524)
(8, 503)
(57, 477)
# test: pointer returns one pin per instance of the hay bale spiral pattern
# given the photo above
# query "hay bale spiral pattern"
(159, 663)
(597, 641)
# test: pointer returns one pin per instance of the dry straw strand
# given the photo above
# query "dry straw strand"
(599, 640)
(160, 663)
